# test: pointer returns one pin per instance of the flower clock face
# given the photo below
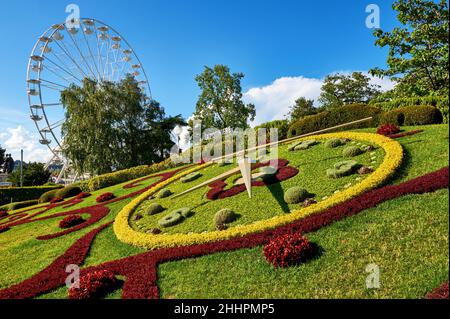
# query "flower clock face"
(310, 174)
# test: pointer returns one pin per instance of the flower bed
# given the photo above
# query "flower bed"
(56, 200)
(94, 284)
(105, 197)
(440, 292)
(83, 195)
(392, 160)
(388, 129)
(71, 221)
(288, 250)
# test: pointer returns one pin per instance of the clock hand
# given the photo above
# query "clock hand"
(245, 167)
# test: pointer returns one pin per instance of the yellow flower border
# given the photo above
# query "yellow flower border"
(392, 160)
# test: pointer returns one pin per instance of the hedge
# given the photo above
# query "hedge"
(333, 117)
(440, 102)
(412, 115)
(19, 205)
(281, 125)
(20, 194)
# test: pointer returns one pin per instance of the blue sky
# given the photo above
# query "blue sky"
(284, 48)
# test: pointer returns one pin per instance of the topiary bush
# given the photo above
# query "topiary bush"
(163, 193)
(173, 218)
(19, 205)
(224, 216)
(302, 145)
(288, 250)
(154, 208)
(71, 221)
(20, 194)
(334, 142)
(388, 129)
(48, 196)
(105, 197)
(56, 200)
(190, 177)
(413, 115)
(342, 169)
(83, 195)
(68, 191)
(295, 195)
(95, 284)
(340, 115)
(352, 151)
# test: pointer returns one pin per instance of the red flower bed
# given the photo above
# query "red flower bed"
(140, 270)
(388, 129)
(105, 197)
(83, 195)
(3, 229)
(288, 250)
(285, 172)
(439, 292)
(71, 221)
(94, 284)
(56, 200)
(405, 134)
(3, 213)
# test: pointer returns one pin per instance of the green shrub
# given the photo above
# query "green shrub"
(302, 145)
(413, 115)
(334, 142)
(68, 191)
(281, 125)
(190, 177)
(295, 195)
(163, 193)
(224, 216)
(19, 205)
(340, 115)
(342, 169)
(175, 217)
(48, 196)
(20, 194)
(154, 208)
(351, 151)
(268, 170)
(440, 102)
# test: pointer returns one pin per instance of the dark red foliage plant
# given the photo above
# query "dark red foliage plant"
(71, 221)
(288, 250)
(94, 284)
(3, 213)
(388, 129)
(3, 229)
(105, 197)
(440, 292)
(56, 200)
(83, 195)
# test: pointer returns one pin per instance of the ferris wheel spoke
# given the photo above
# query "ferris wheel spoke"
(91, 54)
(62, 69)
(53, 83)
(72, 59)
(58, 75)
(98, 51)
(82, 56)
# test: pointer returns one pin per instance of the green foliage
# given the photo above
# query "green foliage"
(342, 169)
(190, 177)
(333, 117)
(68, 191)
(352, 151)
(110, 126)
(48, 196)
(334, 142)
(175, 217)
(19, 205)
(418, 49)
(163, 193)
(18, 194)
(281, 125)
(341, 89)
(220, 102)
(295, 195)
(302, 108)
(34, 174)
(304, 145)
(154, 208)
(413, 115)
(224, 216)
(2, 156)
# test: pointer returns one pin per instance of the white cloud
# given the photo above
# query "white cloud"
(15, 139)
(273, 101)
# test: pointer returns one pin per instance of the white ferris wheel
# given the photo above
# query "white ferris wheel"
(65, 54)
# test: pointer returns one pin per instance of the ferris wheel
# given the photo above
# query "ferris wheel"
(66, 54)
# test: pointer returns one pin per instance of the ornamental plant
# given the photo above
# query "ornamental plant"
(3, 213)
(56, 200)
(105, 197)
(83, 195)
(388, 129)
(288, 250)
(71, 221)
(95, 284)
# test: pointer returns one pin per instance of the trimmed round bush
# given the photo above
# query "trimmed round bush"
(105, 197)
(95, 284)
(190, 177)
(71, 221)
(288, 250)
(413, 115)
(154, 208)
(171, 219)
(224, 216)
(163, 193)
(295, 195)
(351, 151)
(334, 142)
(388, 129)
(342, 169)
(48, 196)
(68, 191)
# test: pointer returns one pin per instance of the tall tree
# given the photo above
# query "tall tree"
(418, 50)
(301, 108)
(220, 102)
(108, 126)
(340, 89)
(34, 174)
